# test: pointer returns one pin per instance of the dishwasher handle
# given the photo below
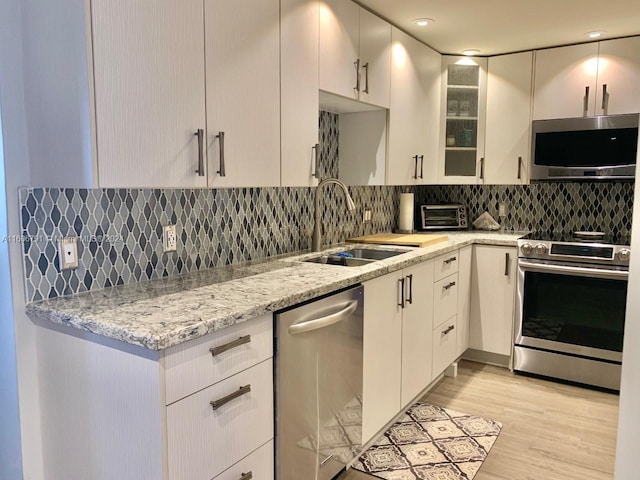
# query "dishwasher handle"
(316, 323)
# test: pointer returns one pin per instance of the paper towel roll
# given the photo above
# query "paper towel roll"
(405, 222)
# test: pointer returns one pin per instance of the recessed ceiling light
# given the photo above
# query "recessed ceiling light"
(595, 34)
(471, 52)
(423, 22)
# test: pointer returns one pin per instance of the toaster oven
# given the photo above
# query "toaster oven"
(442, 217)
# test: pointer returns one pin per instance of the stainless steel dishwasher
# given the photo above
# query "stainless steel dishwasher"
(318, 386)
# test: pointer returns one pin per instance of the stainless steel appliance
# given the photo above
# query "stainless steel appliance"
(572, 292)
(584, 148)
(319, 386)
(442, 217)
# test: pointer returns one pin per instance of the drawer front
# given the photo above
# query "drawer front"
(445, 265)
(192, 366)
(444, 346)
(203, 442)
(445, 299)
(257, 466)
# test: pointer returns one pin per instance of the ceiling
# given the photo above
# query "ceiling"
(503, 26)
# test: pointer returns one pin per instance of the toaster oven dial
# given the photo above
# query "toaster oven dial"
(624, 255)
(541, 249)
(526, 249)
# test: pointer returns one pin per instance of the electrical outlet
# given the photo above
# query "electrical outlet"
(169, 238)
(366, 216)
(502, 209)
(68, 253)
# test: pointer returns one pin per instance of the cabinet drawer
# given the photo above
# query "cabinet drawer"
(203, 442)
(445, 265)
(257, 466)
(444, 346)
(192, 366)
(445, 299)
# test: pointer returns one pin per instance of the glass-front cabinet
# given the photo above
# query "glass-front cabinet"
(463, 109)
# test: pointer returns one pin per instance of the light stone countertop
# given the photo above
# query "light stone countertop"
(161, 313)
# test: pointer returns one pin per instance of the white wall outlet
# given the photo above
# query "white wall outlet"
(68, 253)
(169, 238)
(502, 209)
(366, 216)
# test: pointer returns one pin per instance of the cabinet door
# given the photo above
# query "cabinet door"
(243, 91)
(299, 50)
(417, 325)
(339, 47)
(463, 112)
(414, 113)
(508, 128)
(493, 286)
(149, 92)
(382, 353)
(464, 300)
(619, 70)
(375, 59)
(562, 76)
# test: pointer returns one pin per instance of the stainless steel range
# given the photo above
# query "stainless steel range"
(572, 292)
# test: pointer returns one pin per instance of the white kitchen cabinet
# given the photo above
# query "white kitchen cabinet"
(242, 47)
(149, 413)
(414, 113)
(493, 289)
(299, 84)
(445, 310)
(444, 345)
(462, 136)
(508, 121)
(619, 70)
(464, 299)
(354, 52)
(397, 343)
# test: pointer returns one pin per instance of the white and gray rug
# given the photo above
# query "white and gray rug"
(431, 443)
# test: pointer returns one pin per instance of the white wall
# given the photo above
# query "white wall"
(16, 174)
(629, 421)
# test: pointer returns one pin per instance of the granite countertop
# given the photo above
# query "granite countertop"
(161, 313)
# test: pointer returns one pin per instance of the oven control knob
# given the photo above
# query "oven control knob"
(624, 255)
(541, 249)
(526, 249)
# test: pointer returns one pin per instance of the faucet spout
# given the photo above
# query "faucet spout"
(316, 242)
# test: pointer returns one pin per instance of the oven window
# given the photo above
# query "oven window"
(575, 310)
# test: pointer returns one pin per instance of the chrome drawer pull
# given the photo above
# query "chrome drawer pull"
(216, 404)
(410, 297)
(324, 462)
(402, 297)
(449, 285)
(200, 135)
(449, 328)
(246, 476)
(222, 170)
(228, 346)
(449, 260)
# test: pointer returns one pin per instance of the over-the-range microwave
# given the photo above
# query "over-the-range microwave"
(585, 148)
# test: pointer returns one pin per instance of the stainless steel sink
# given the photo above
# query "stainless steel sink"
(355, 257)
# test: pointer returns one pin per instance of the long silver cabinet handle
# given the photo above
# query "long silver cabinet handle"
(410, 297)
(482, 168)
(570, 270)
(325, 321)
(246, 476)
(586, 101)
(356, 64)
(449, 260)
(415, 168)
(200, 135)
(216, 404)
(519, 168)
(421, 166)
(449, 285)
(604, 98)
(449, 328)
(324, 462)
(316, 157)
(228, 346)
(507, 263)
(366, 77)
(402, 300)
(220, 138)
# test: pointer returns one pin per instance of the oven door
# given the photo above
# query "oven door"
(571, 308)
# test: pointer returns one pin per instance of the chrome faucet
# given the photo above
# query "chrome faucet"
(316, 242)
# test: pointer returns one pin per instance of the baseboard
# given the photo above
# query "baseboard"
(488, 358)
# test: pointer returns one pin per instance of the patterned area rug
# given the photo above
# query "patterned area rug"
(430, 443)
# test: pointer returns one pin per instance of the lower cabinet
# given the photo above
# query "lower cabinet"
(493, 290)
(464, 299)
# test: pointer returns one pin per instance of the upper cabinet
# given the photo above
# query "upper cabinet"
(589, 79)
(414, 114)
(243, 92)
(508, 121)
(299, 50)
(463, 119)
(354, 53)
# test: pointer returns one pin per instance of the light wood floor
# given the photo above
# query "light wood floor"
(550, 431)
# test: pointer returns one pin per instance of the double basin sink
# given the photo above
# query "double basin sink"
(355, 257)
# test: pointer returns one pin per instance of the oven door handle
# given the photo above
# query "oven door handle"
(571, 270)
